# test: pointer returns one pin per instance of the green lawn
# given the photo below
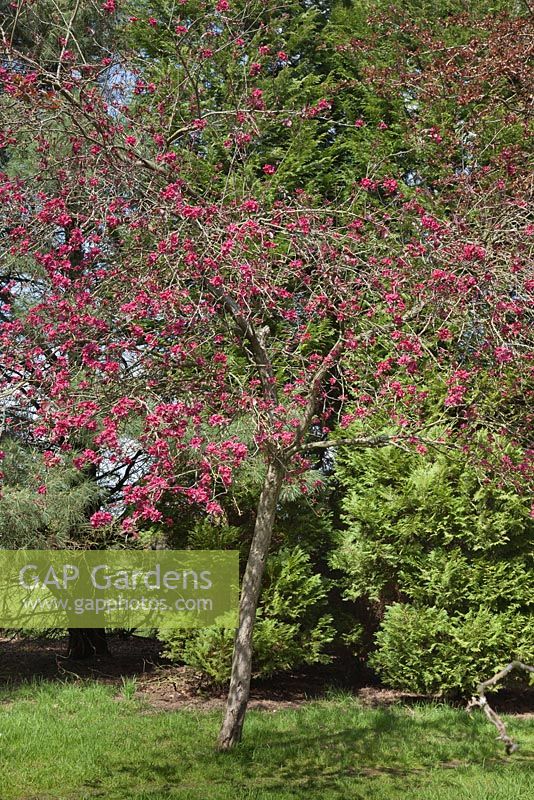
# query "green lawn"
(78, 742)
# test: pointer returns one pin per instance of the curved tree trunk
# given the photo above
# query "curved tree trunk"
(238, 693)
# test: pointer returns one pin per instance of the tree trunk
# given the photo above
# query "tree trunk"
(87, 643)
(238, 693)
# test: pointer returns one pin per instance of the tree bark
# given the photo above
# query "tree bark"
(238, 693)
(87, 643)
(480, 700)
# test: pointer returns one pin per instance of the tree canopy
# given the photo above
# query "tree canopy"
(235, 229)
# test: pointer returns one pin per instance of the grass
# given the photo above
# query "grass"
(79, 742)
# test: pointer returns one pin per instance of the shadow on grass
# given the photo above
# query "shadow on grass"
(385, 746)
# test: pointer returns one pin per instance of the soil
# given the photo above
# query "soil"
(167, 687)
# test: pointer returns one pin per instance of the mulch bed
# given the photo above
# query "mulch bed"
(164, 686)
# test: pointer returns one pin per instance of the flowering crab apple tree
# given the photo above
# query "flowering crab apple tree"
(146, 326)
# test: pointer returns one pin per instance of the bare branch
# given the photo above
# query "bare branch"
(357, 441)
(250, 334)
(480, 700)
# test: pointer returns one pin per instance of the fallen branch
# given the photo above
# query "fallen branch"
(480, 700)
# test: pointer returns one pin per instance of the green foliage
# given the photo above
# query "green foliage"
(427, 649)
(43, 507)
(28, 26)
(208, 650)
(291, 628)
(448, 552)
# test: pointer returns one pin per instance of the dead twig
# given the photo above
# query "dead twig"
(480, 700)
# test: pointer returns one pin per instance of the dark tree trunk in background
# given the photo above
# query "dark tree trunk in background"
(87, 643)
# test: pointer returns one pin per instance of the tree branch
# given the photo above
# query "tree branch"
(358, 441)
(257, 348)
(313, 394)
(480, 700)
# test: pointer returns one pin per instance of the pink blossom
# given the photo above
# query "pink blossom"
(256, 99)
(287, 438)
(473, 252)
(101, 518)
(455, 396)
(503, 355)
(122, 407)
(250, 205)
(430, 223)
(225, 474)
(128, 527)
(390, 185)
(51, 459)
(87, 457)
(321, 105)
(367, 183)
(217, 419)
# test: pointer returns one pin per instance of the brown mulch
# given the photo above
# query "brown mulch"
(164, 686)
(24, 659)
